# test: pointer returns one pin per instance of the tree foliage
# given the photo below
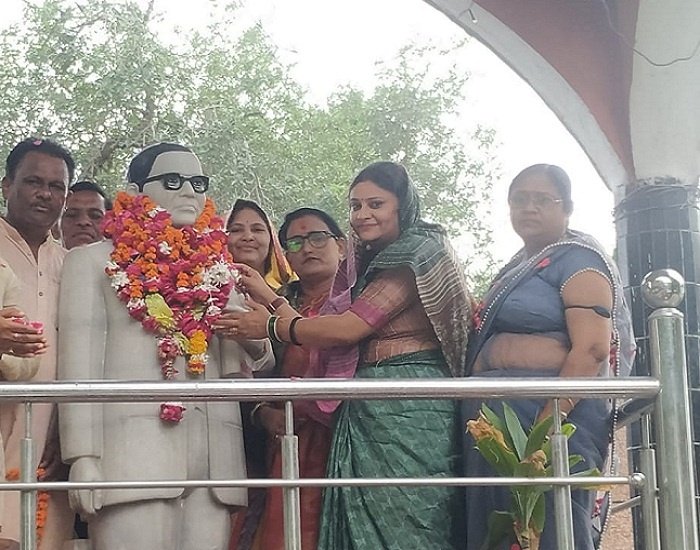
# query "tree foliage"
(106, 77)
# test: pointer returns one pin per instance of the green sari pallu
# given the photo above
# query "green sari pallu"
(392, 439)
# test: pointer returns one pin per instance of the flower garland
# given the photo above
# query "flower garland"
(42, 502)
(175, 281)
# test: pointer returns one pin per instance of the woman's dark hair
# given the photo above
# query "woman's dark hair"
(307, 211)
(43, 146)
(141, 165)
(245, 204)
(392, 177)
(557, 176)
(389, 176)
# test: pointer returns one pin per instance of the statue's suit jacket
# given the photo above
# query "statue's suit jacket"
(98, 340)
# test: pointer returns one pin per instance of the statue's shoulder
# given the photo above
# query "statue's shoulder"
(91, 253)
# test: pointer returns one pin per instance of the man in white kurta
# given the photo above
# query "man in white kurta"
(12, 367)
(34, 187)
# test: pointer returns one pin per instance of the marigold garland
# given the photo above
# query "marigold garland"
(42, 502)
(175, 281)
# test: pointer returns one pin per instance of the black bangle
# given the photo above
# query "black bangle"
(292, 331)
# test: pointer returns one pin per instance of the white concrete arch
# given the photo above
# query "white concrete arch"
(658, 135)
(546, 81)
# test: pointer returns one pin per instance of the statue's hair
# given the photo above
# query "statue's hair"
(141, 165)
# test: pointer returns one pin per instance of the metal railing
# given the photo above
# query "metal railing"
(288, 391)
(675, 528)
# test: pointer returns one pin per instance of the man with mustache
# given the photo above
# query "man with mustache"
(85, 209)
(37, 175)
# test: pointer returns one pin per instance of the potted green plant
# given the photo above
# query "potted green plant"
(512, 452)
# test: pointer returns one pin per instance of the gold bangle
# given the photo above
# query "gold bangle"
(571, 403)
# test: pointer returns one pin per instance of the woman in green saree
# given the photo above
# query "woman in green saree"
(399, 308)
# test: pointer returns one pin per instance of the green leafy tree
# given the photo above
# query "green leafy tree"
(106, 77)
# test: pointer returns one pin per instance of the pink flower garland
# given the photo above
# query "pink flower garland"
(175, 281)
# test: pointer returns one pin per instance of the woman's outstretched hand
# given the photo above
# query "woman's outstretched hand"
(254, 285)
(239, 325)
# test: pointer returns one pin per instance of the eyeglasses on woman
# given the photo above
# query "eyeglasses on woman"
(317, 239)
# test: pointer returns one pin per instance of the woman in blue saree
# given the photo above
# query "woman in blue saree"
(556, 309)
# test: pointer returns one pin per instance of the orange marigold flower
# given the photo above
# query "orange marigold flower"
(196, 367)
(197, 343)
(137, 226)
(183, 280)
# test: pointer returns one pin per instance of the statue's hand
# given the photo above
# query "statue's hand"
(86, 502)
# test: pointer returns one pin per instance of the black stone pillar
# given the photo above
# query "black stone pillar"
(658, 226)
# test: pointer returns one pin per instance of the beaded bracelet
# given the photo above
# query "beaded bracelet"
(292, 331)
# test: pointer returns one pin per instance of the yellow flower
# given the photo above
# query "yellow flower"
(481, 428)
(160, 311)
(198, 343)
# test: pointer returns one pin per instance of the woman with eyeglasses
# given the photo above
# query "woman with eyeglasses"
(314, 246)
(556, 309)
(398, 308)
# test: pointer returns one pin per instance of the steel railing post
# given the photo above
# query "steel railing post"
(290, 470)
(562, 493)
(650, 503)
(664, 289)
(27, 475)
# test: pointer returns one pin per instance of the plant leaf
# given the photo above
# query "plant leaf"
(500, 526)
(498, 423)
(515, 429)
(528, 469)
(573, 460)
(568, 429)
(538, 435)
(538, 514)
(592, 472)
(502, 460)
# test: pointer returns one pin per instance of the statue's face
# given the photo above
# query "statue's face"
(176, 168)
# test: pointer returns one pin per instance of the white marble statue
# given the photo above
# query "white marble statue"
(100, 340)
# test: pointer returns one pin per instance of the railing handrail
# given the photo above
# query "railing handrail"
(635, 479)
(273, 389)
(311, 389)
